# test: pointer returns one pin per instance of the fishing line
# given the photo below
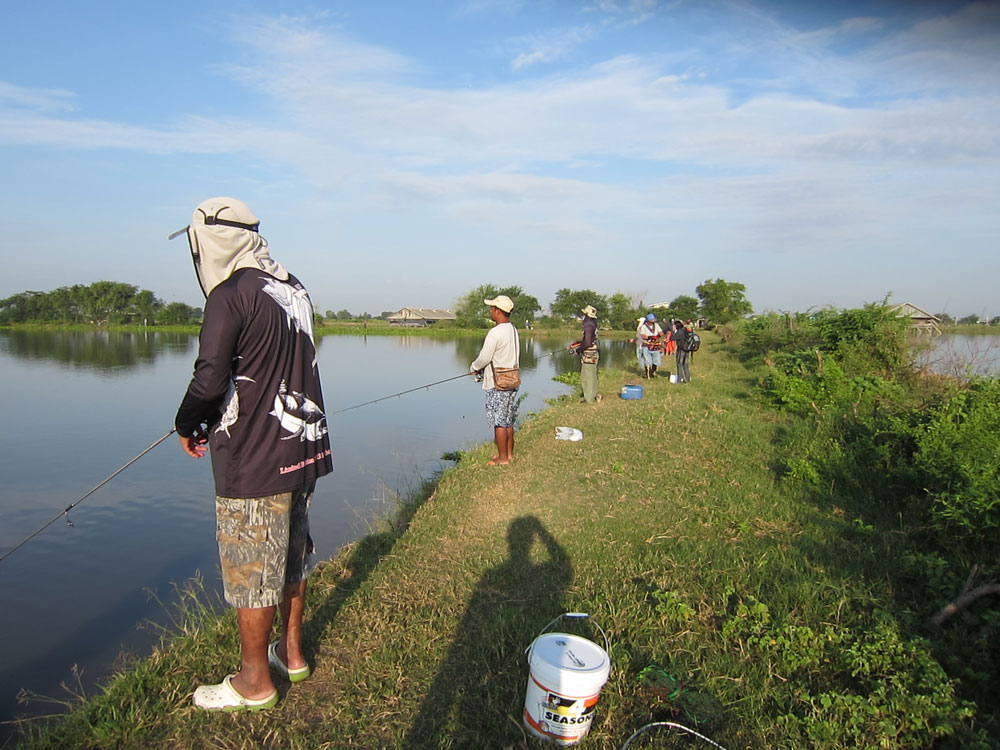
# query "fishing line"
(70, 507)
(394, 395)
(422, 387)
(672, 725)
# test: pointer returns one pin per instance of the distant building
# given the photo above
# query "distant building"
(418, 317)
(920, 320)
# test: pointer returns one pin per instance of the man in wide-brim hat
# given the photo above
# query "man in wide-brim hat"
(589, 355)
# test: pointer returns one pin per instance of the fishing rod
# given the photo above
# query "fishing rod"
(70, 507)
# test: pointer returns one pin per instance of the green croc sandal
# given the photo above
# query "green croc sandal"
(223, 697)
(292, 675)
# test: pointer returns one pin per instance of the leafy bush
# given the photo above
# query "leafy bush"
(923, 454)
(841, 685)
(957, 460)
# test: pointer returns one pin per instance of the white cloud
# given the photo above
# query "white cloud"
(526, 59)
(45, 100)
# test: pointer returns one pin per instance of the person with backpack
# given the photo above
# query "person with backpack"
(683, 339)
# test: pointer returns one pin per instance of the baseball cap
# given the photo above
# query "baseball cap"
(501, 302)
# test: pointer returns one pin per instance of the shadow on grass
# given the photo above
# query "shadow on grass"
(479, 690)
(365, 556)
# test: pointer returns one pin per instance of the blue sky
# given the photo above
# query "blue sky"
(402, 153)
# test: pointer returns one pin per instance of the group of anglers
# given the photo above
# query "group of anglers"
(651, 342)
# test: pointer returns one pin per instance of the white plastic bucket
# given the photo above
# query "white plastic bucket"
(565, 676)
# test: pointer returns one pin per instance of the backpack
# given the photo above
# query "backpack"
(692, 342)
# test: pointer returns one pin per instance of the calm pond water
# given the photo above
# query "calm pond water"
(80, 405)
(963, 356)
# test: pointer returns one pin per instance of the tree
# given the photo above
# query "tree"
(178, 314)
(109, 301)
(526, 306)
(146, 306)
(622, 313)
(945, 318)
(684, 307)
(968, 320)
(723, 301)
(470, 312)
(568, 304)
(344, 315)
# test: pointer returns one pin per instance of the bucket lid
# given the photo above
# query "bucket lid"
(565, 655)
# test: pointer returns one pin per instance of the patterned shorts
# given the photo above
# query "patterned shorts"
(264, 544)
(501, 407)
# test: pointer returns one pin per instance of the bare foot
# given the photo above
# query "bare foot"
(497, 462)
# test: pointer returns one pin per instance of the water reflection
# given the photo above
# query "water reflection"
(106, 351)
(121, 351)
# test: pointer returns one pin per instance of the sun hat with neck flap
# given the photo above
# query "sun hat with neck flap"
(224, 237)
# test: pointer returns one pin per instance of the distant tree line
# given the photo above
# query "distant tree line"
(718, 301)
(968, 320)
(348, 315)
(100, 303)
(115, 303)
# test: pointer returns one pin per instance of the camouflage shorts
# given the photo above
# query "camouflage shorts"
(264, 544)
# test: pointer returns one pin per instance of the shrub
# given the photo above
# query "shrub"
(957, 460)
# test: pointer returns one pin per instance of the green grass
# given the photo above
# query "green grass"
(667, 523)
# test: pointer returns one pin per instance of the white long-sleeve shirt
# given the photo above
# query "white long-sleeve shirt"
(502, 348)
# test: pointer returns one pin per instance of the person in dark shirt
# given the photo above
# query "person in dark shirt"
(680, 337)
(256, 401)
(587, 349)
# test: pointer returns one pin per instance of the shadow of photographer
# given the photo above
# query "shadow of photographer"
(477, 697)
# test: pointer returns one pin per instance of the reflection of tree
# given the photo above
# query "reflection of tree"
(479, 691)
(98, 350)
(467, 349)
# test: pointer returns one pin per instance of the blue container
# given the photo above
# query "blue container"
(631, 392)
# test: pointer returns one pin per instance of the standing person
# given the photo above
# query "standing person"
(255, 398)
(650, 335)
(589, 355)
(501, 350)
(638, 341)
(680, 339)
